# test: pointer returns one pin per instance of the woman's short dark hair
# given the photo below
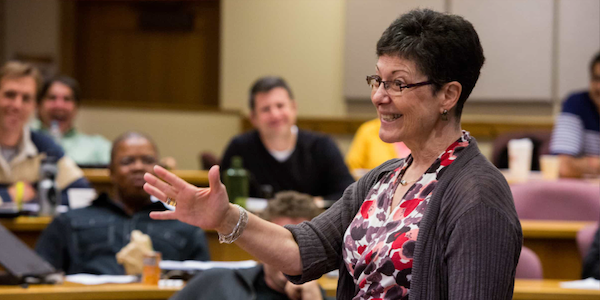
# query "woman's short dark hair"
(444, 48)
(66, 80)
(265, 84)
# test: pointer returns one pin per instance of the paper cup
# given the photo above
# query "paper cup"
(519, 159)
(549, 165)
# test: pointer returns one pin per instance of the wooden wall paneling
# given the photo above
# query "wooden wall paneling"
(2, 31)
(479, 129)
(122, 64)
(67, 36)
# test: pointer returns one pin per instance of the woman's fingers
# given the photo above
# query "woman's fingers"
(170, 178)
(214, 178)
(161, 185)
(152, 190)
(163, 215)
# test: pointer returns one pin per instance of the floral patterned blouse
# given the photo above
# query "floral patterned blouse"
(379, 243)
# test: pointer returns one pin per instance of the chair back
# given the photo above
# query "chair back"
(585, 237)
(529, 265)
(564, 199)
(541, 145)
(208, 159)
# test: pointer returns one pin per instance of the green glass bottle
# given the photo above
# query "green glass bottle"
(236, 182)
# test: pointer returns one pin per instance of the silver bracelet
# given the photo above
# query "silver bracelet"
(237, 230)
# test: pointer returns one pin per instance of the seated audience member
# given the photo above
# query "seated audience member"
(57, 106)
(23, 150)
(591, 262)
(368, 151)
(280, 155)
(86, 240)
(263, 281)
(576, 135)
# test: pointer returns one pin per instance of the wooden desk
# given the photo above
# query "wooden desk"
(100, 178)
(553, 241)
(528, 289)
(28, 229)
(74, 291)
(525, 289)
(555, 244)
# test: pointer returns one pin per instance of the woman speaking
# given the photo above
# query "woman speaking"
(440, 224)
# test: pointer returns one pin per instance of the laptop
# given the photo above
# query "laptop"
(22, 264)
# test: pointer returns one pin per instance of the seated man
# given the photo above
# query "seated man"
(281, 157)
(86, 240)
(576, 135)
(24, 150)
(263, 281)
(591, 262)
(57, 107)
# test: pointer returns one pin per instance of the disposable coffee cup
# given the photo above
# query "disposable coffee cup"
(519, 159)
(549, 165)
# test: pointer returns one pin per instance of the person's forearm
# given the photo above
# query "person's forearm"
(268, 242)
(575, 167)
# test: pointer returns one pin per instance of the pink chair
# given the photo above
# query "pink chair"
(565, 199)
(529, 265)
(585, 237)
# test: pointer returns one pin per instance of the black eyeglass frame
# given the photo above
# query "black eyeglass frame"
(387, 84)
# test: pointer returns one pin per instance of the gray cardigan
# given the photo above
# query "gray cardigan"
(469, 238)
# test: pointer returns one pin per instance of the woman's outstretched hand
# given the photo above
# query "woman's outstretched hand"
(202, 207)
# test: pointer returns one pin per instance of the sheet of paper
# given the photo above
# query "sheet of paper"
(586, 284)
(190, 265)
(81, 197)
(91, 279)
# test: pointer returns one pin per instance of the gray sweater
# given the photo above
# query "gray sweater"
(469, 238)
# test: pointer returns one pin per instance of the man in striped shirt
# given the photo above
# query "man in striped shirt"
(576, 135)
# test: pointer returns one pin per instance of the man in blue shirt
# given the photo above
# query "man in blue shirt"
(576, 135)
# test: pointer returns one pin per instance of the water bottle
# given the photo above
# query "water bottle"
(48, 193)
(55, 131)
(236, 181)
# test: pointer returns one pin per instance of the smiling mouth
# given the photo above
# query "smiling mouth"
(390, 118)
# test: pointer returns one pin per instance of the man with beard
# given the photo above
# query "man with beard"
(58, 102)
(23, 151)
(86, 240)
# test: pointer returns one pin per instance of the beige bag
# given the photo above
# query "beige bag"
(132, 255)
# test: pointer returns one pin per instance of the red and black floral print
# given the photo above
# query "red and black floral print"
(380, 242)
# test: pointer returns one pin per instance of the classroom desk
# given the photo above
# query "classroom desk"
(28, 229)
(553, 241)
(525, 289)
(100, 178)
(74, 291)
(555, 244)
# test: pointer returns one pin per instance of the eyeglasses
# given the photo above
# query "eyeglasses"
(393, 88)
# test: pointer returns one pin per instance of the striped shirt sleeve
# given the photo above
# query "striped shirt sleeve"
(568, 135)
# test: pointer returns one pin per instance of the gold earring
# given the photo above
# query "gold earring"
(445, 115)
